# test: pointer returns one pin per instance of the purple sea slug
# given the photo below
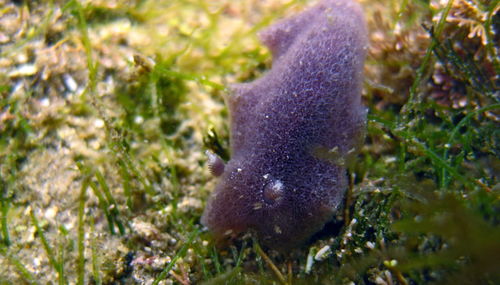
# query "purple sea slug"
(293, 130)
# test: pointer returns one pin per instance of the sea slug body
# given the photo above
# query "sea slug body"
(293, 130)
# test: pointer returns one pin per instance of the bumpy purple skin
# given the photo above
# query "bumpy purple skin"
(279, 183)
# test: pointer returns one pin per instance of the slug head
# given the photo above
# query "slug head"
(282, 212)
(243, 196)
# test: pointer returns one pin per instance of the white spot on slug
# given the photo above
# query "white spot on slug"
(277, 229)
(257, 206)
(273, 191)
